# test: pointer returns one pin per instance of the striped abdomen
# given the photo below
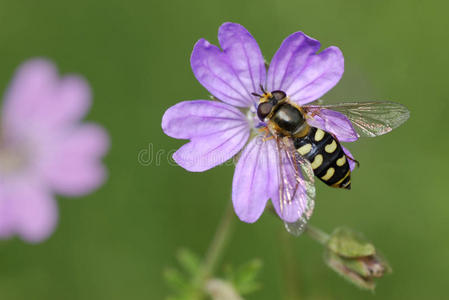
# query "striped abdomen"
(328, 159)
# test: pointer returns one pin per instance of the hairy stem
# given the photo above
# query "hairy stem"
(317, 234)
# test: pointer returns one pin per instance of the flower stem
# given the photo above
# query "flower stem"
(219, 242)
(317, 234)
(216, 249)
(290, 268)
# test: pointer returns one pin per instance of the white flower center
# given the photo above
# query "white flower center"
(13, 157)
(253, 120)
(250, 115)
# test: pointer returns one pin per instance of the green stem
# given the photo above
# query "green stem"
(218, 243)
(215, 251)
(317, 234)
(290, 267)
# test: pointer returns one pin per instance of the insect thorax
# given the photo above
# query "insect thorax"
(288, 119)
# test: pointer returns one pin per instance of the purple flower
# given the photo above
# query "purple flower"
(44, 149)
(218, 130)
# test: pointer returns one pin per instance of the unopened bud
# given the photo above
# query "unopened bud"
(219, 289)
(352, 256)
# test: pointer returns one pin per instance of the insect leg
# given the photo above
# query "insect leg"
(354, 160)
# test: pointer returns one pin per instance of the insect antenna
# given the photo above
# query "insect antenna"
(256, 94)
(262, 89)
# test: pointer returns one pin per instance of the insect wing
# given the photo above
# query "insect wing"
(332, 122)
(296, 187)
(370, 119)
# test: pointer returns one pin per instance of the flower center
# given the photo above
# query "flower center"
(254, 122)
(13, 157)
(250, 116)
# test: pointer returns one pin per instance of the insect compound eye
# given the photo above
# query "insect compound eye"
(264, 109)
(278, 95)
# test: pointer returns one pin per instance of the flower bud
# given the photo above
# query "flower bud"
(352, 256)
(221, 290)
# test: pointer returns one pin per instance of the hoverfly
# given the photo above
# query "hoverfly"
(305, 151)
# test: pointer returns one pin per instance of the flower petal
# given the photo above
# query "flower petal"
(73, 164)
(205, 152)
(294, 210)
(333, 122)
(28, 211)
(197, 118)
(217, 132)
(38, 98)
(290, 60)
(244, 55)
(34, 77)
(351, 162)
(233, 74)
(303, 74)
(72, 100)
(255, 179)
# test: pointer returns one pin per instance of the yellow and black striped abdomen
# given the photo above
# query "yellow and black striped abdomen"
(328, 159)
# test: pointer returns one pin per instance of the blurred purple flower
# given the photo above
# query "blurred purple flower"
(219, 130)
(44, 149)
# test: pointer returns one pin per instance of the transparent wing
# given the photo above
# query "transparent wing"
(370, 119)
(296, 187)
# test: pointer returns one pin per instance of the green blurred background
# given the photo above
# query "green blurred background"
(115, 243)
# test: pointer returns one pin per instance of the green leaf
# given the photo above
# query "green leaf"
(175, 279)
(244, 278)
(189, 261)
